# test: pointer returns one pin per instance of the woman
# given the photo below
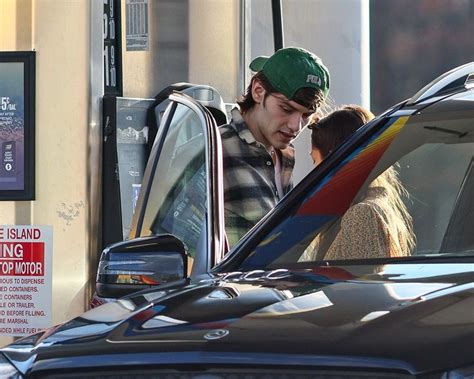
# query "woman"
(379, 225)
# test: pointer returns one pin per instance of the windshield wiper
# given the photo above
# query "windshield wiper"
(449, 131)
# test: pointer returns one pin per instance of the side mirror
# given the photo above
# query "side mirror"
(133, 265)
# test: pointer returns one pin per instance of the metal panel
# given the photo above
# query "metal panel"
(94, 167)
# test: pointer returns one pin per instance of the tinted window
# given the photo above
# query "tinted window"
(405, 191)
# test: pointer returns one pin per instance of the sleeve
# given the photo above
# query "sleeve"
(362, 235)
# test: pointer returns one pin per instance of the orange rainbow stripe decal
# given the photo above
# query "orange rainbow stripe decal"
(336, 195)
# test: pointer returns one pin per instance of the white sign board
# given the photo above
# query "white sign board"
(25, 279)
(136, 33)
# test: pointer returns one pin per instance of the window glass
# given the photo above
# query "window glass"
(178, 196)
(407, 191)
(434, 199)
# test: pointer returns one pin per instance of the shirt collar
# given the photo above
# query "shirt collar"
(241, 127)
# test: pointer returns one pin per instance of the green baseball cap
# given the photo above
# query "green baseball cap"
(292, 68)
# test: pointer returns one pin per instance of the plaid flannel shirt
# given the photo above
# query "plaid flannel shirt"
(250, 191)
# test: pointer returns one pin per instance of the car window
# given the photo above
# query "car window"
(435, 200)
(405, 191)
(178, 200)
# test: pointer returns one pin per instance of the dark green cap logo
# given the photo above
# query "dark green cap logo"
(292, 68)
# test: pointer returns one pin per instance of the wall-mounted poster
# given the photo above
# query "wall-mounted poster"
(17, 125)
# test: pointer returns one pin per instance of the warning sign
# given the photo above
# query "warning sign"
(25, 279)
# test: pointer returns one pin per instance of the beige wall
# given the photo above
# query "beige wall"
(214, 45)
(58, 30)
(213, 42)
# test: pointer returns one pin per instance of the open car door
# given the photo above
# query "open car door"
(182, 188)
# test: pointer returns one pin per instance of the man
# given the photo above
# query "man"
(285, 91)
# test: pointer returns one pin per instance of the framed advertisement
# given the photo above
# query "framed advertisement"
(17, 125)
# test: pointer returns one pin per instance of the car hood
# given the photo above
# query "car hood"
(399, 317)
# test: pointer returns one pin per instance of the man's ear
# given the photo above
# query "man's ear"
(258, 92)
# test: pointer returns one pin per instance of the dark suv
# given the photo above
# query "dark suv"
(275, 306)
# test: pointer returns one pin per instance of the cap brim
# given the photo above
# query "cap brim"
(257, 64)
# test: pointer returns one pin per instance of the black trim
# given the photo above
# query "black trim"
(28, 58)
(150, 172)
(114, 16)
(111, 201)
(278, 34)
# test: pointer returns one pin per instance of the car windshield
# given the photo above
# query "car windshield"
(404, 192)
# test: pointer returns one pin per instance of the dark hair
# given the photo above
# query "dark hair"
(330, 131)
(310, 98)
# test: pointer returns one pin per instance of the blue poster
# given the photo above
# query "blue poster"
(12, 126)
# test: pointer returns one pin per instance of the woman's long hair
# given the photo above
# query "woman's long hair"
(330, 132)
(398, 220)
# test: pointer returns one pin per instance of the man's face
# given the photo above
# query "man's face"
(277, 120)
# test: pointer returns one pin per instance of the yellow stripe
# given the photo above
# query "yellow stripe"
(387, 136)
